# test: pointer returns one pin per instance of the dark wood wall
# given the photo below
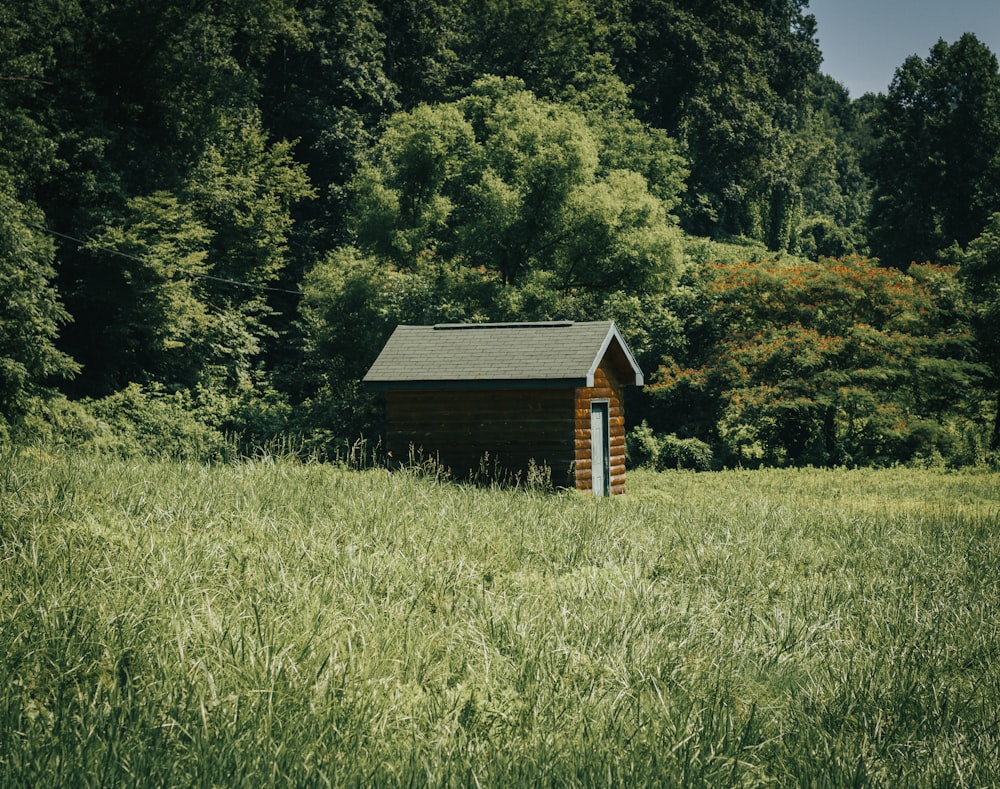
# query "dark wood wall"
(511, 428)
(608, 387)
(459, 427)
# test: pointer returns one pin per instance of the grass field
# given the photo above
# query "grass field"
(278, 623)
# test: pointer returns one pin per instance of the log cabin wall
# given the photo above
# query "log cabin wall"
(607, 387)
(510, 394)
(513, 427)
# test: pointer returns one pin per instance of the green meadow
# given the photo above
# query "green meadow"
(279, 623)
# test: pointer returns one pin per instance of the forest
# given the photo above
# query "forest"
(213, 214)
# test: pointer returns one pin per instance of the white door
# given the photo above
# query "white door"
(600, 449)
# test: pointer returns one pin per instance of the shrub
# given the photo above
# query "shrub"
(133, 422)
(643, 448)
(684, 453)
(154, 422)
(199, 424)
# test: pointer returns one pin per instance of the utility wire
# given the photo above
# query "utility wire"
(135, 259)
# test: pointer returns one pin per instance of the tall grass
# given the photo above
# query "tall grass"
(280, 623)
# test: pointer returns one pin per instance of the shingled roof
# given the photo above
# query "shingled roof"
(501, 355)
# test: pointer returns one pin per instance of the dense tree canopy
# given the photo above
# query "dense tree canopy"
(728, 79)
(515, 186)
(828, 149)
(827, 363)
(232, 205)
(980, 272)
(30, 311)
(174, 285)
(936, 160)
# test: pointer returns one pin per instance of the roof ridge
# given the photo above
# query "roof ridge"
(512, 325)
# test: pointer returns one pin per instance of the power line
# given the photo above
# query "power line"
(135, 259)
(9, 78)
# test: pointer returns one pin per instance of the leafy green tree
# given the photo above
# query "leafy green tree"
(127, 99)
(210, 59)
(326, 87)
(424, 46)
(836, 362)
(727, 79)
(980, 273)
(826, 157)
(936, 159)
(512, 185)
(625, 143)
(30, 310)
(560, 49)
(245, 189)
(185, 276)
(159, 322)
(402, 203)
(30, 32)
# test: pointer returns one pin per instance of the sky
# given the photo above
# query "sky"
(865, 41)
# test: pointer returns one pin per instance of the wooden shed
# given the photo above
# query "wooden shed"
(515, 393)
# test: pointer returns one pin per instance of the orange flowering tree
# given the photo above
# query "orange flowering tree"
(830, 362)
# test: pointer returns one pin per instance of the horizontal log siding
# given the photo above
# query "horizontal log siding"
(606, 387)
(460, 428)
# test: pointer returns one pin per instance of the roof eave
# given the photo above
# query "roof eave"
(614, 334)
(475, 384)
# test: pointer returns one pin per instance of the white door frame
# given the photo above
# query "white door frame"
(600, 447)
